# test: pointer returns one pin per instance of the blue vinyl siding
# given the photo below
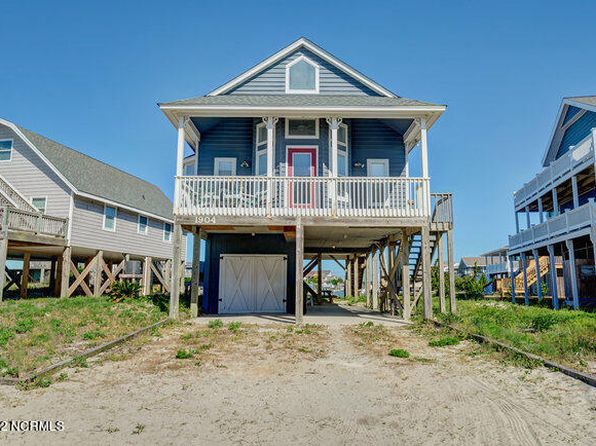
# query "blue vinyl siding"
(576, 132)
(374, 139)
(218, 244)
(229, 138)
(333, 81)
(571, 112)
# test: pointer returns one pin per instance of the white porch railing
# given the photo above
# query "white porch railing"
(573, 220)
(302, 196)
(34, 222)
(581, 156)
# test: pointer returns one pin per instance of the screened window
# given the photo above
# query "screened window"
(302, 128)
(302, 76)
(167, 232)
(143, 225)
(225, 167)
(109, 218)
(189, 168)
(5, 150)
(39, 204)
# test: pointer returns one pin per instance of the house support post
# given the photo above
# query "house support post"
(375, 279)
(97, 273)
(426, 273)
(525, 272)
(195, 274)
(538, 278)
(573, 274)
(65, 271)
(451, 268)
(25, 275)
(368, 279)
(319, 276)
(3, 255)
(512, 278)
(442, 305)
(554, 292)
(299, 310)
(349, 268)
(147, 284)
(405, 275)
(356, 265)
(175, 276)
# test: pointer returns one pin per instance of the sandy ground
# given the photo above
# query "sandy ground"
(268, 385)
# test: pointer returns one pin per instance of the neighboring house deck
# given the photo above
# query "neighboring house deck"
(303, 156)
(557, 210)
(60, 205)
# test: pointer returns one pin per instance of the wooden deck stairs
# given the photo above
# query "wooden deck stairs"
(531, 274)
(9, 196)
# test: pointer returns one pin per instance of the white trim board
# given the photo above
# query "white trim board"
(315, 49)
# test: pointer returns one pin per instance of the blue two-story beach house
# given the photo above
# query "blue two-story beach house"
(558, 210)
(299, 158)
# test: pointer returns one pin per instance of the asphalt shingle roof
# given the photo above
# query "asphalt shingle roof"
(97, 178)
(298, 100)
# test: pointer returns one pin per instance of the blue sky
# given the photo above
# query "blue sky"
(89, 74)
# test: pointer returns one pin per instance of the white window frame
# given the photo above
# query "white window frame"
(45, 205)
(189, 162)
(261, 147)
(317, 73)
(164, 232)
(9, 150)
(287, 125)
(105, 206)
(370, 161)
(139, 225)
(341, 147)
(219, 159)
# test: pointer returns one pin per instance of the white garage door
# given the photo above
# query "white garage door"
(252, 283)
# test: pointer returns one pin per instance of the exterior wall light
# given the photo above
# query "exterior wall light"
(358, 165)
(245, 164)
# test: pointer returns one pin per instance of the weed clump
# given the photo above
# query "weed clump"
(444, 341)
(399, 353)
(215, 323)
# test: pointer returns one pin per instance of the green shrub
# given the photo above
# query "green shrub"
(215, 323)
(122, 289)
(444, 341)
(399, 353)
(234, 326)
(185, 354)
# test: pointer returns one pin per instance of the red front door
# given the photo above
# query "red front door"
(302, 162)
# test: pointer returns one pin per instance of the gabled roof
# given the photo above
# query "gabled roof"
(583, 102)
(88, 176)
(302, 42)
(469, 262)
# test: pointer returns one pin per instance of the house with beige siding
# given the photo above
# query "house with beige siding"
(62, 206)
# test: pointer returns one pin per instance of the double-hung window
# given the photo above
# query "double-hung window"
(225, 167)
(261, 149)
(167, 232)
(109, 218)
(40, 204)
(5, 149)
(143, 225)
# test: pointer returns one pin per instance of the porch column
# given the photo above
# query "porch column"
(554, 292)
(147, 285)
(573, 274)
(175, 276)
(538, 278)
(25, 275)
(299, 310)
(451, 266)
(442, 306)
(575, 192)
(512, 278)
(3, 252)
(555, 202)
(423, 148)
(524, 268)
(540, 210)
(516, 222)
(405, 275)
(179, 160)
(528, 217)
(426, 273)
(65, 272)
(196, 272)
(270, 125)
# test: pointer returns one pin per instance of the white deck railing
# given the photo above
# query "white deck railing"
(568, 222)
(577, 159)
(33, 222)
(302, 196)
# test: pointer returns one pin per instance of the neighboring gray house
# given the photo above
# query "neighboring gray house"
(66, 207)
(557, 210)
(468, 264)
(304, 157)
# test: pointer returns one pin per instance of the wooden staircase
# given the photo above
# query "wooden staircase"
(543, 263)
(9, 196)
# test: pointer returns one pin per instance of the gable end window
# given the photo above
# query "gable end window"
(302, 76)
(5, 149)
(39, 203)
(143, 225)
(109, 218)
(167, 232)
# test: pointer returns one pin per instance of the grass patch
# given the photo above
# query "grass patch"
(564, 336)
(38, 332)
(354, 300)
(185, 354)
(234, 326)
(399, 353)
(215, 324)
(444, 341)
